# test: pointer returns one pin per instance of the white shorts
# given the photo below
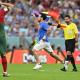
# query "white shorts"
(43, 45)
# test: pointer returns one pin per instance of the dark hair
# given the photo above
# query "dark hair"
(67, 16)
(44, 16)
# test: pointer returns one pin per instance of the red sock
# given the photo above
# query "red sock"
(4, 64)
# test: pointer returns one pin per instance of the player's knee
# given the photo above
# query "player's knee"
(68, 53)
(68, 58)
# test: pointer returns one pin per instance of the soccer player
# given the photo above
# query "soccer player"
(4, 8)
(71, 37)
(44, 30)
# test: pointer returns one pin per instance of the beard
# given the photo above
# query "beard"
(67, 22)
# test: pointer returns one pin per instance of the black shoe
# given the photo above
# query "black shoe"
(75, 70)
(63, 69)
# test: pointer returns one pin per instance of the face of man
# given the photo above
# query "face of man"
(67, 20)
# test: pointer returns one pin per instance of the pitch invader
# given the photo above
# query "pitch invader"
(43, 43)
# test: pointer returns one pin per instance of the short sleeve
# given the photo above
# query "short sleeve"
(45, 26)
(75, 28)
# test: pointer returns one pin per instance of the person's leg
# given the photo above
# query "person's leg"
(38, 64)
(57, 54)
(70, 50)
(59, 50)
(52, 54)
(67, 59)
(35, 50)
(3, 56)
(3, 48)
(36, 56)
(73, 63)
(4, 65)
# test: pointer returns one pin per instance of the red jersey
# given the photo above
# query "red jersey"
(2, 15)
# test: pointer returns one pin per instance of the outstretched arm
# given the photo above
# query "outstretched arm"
(7, 4)
(59, 25)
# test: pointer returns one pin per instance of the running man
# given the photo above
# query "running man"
(4, 8)
(44, 30)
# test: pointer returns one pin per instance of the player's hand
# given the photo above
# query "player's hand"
(76, 39)
(57, 21)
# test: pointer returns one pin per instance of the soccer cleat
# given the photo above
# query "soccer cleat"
(37, 66)
(6, 75)
(75, 70)
(63, 69)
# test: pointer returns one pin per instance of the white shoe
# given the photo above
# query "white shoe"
(37, 66)
(5, 74)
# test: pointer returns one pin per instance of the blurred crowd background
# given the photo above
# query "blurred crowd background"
(21, 22)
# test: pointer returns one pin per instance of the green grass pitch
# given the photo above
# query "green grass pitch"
(48, 72)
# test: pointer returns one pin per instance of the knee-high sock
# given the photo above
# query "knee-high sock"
(4, 64)
(68, 58)
(73, 62)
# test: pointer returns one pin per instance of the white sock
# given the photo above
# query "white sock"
(38, 63)
(66, 65)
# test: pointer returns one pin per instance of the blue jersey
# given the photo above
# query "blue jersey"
(43, 31)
